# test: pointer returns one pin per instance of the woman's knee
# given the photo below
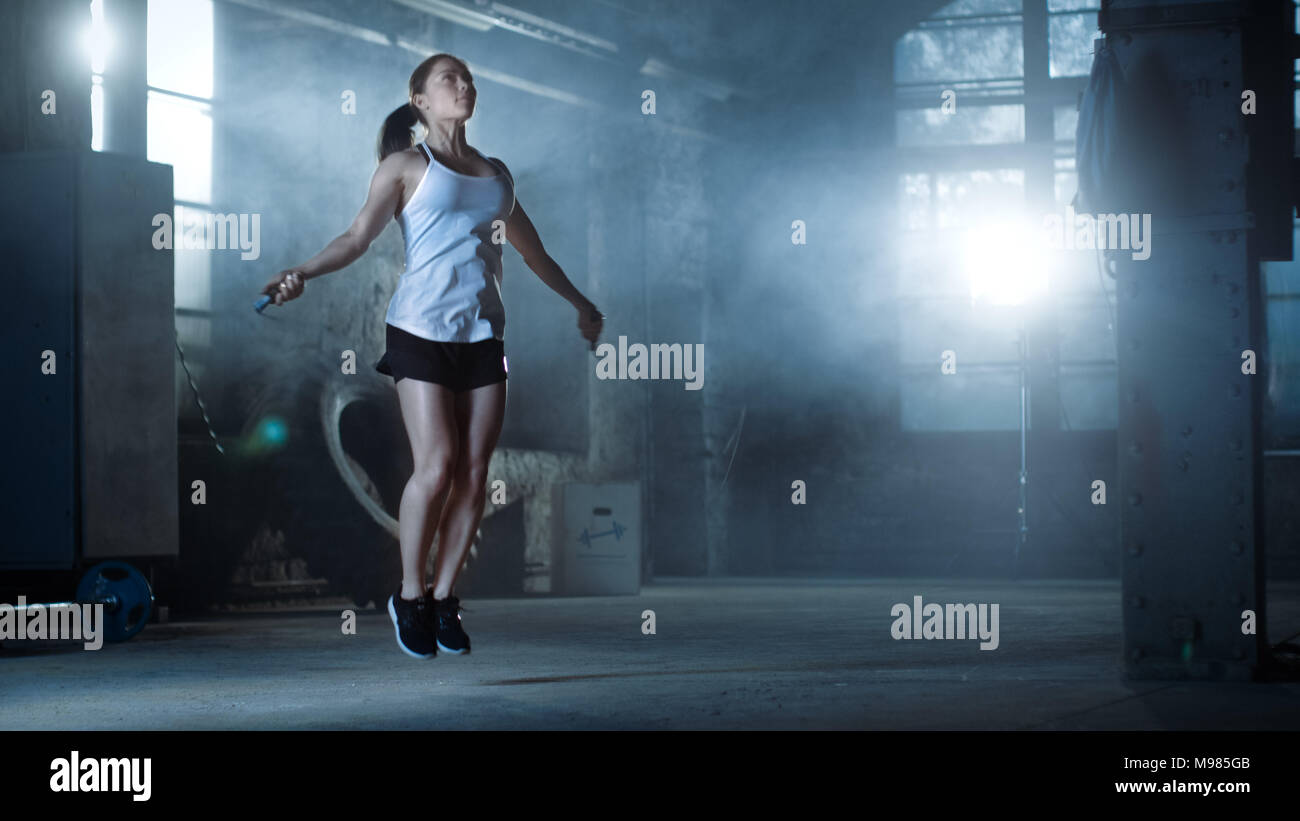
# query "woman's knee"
(472, 478)
(435, 473)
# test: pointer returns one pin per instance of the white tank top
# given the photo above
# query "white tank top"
(450, 290)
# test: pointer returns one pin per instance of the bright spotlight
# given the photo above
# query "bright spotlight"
(1005, 262)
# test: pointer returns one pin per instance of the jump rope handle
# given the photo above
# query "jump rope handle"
(262, 303)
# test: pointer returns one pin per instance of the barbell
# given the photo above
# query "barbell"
(124, 592)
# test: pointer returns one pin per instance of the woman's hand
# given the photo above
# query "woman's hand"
(590, 323)
(287, 285)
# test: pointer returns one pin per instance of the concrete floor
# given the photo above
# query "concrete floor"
(729, 654)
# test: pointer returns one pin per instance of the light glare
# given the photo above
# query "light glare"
(1005, 263)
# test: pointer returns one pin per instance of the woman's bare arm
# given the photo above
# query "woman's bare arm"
(523, 236)
(386, 189)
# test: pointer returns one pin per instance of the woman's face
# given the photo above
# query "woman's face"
(448, 92)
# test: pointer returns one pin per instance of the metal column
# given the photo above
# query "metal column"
(1189, 420)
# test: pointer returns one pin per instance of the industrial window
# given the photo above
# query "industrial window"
(1071, 28)
(180, 78)
(964, 175)
(1282, 318)
(98, 42)
(180, 89)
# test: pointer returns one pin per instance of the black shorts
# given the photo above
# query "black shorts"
(460, 366)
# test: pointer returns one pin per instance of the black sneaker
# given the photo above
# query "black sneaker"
(447, 630)
(412, 622)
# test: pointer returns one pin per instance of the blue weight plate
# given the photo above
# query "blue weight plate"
(135, 598)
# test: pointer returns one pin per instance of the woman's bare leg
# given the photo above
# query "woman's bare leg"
(428, 412)
(479, 415)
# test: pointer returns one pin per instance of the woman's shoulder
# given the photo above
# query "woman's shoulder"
(404, 160)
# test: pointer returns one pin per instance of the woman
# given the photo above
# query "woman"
(445, 330)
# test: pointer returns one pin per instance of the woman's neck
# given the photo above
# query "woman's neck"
(452, 145)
